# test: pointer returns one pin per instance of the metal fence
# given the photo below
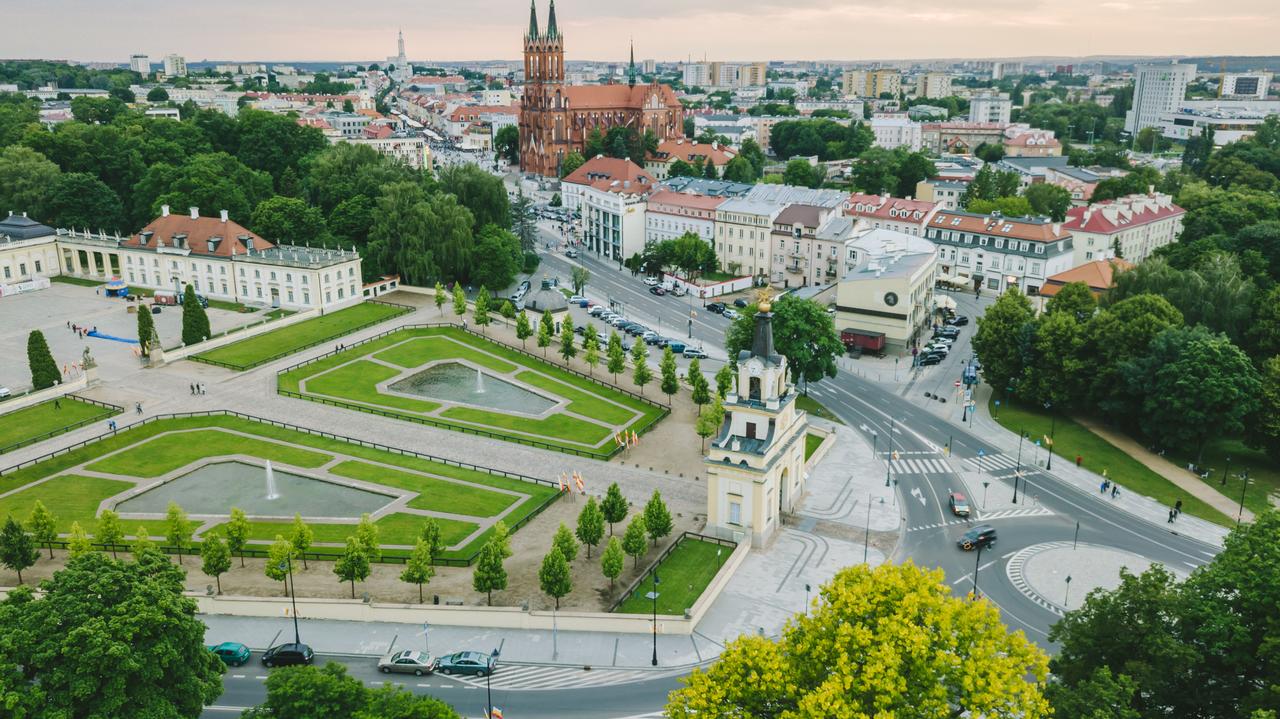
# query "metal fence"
(639, 581)
(112, 410)
(404, 309)
(599, 453)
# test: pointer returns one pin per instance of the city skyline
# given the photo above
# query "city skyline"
(324, 30)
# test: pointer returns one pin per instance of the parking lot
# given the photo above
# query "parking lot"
(52, 311)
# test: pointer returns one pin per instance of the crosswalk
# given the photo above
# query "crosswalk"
(986, 517)
(515, 676)
(992, 463)
(920, 466)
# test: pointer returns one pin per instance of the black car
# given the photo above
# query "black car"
(739, 302)
(983, 535)
(960, 321)
(284, 655)
(930, 359)
(716, 307)
(657, 290)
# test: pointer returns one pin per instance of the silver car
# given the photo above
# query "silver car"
(407, 661)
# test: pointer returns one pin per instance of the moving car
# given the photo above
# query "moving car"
(477, 663)
(571, 254)
(930, 359)
(730, 313)
(407, 661)
(694, 353)
(959, 505)
(651, 281)
(657, 290)
(716, 307)
(233, 654)
(983, 535)
(284, 655)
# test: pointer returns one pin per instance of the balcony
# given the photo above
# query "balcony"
(797, 269)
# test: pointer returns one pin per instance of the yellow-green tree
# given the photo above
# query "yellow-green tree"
(889, 641)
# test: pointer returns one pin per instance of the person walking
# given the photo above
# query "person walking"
(1115, 491)
(57, 404)
(137, 407)
(1177, 508)
(1171, 515)
(1079, 459)
(193, 388)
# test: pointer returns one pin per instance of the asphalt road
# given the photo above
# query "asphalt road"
(244, 687)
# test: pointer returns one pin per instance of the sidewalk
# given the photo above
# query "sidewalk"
(1142, 507)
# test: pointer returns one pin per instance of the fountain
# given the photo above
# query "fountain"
(479, 382)
(464, 384)
(272, 492)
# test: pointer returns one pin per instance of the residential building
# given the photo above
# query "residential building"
(347, 124)
(1031, 169)
(959, 137)
(556, 118)
(896, 130)
(945, 193)
(853, 107)
(883, 212)
(933, 85)
(991, 107)
(409, 148)
(886, 287)
(649, 66)
(611, 195)
(696, 74)
(703, 186)
(871, 83)
(994, 252)
(1130, 227)
(658, 163)
(744, 226)
(755, 74)
(755, 463)
(1253, 85)
(175, 66)
(670, 215)
(1031, 143)
(140, 64)
(464, 116)
(1098, 275)
(808, 243)
(1157, 90)
(1231, 120)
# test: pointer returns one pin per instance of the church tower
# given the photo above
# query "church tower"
(542, 124)
(755, 465)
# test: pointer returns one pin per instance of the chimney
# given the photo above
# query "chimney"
(195, 213)
(224, 215)
(164, 210)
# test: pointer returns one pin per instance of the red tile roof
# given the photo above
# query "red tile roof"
(1119, 214)
(1098, 275)
(198, 233)
(612, 175)
(888, 208)
(994, 226)
(611, 97)
(685, 149)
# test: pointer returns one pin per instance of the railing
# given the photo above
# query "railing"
(113, 410)
(599, 453)
(404, 309)
(447, 562)
(633, 586)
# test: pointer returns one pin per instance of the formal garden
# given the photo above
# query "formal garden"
(51, 418)
(282, 342)
(448, 377)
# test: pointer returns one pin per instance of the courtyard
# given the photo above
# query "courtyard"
(448, 377)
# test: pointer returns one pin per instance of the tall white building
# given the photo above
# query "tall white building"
(697, 74)
(1251, 85)
(175, 65)
(990, 107)
(403, 69)
(1157, 90)
(897, 130)
(933, 85)
(140, 64)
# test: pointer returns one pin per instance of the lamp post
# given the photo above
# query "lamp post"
(654, 596)
(1226, 472)
(287, 565)
(977, 563)
(888, 461)
(1053, 424)
(1243, 488)
(1022, 434)
(1067, 594)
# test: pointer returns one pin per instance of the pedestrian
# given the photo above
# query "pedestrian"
(202, 388)
(1078, 460)
(1115, 491)
(68, 324)
(57, 404)
(1102, 488)
(1171, 514)
(193, 388)
(137, 406)
(1177, 508)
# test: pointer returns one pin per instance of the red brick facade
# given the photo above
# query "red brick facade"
(556, 118)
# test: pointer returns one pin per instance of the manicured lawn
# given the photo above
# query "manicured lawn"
(436, 495)
(69, 498)
(580, 402)
(683, 576)
(167, 453)
(422, 350)
(82, 281)
(358, 382)
(1264, 475)
(41, 421)
(286, 340)
(1071, 439)
(392, 529)
(811, 444)
(557, 426)
(815, 408)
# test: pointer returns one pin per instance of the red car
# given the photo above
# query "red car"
(959, 505)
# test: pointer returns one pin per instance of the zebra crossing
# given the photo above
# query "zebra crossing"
(514, 676)
(987, 517)
(993, 463)
(920, 466)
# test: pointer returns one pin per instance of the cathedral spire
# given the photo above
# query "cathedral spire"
(533, 20)
(552, 31)
(631, 67)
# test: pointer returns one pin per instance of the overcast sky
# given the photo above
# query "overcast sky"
(111, 30)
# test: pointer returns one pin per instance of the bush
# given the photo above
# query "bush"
(531, 261)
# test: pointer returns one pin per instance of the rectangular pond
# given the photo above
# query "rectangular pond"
(455, 382)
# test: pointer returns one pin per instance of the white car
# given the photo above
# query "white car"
(944, 349)
(730, 313)
(596, 310)
(651, 281)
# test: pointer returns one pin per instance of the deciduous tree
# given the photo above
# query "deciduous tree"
(108, 531)
(459, 300)
(43, 526)
(1001, 340)
(523, 330)
(616, 358)
(710, 418)
(612, 558)
(633, 540)
(178, 529)
(568, 347)
(17, 548)
(301, 536)
(657, 518)
(353, 564)
(803, 332)
(670, 383)
(724, 381)
(78, 542)
(613, 506)
(279, 555)
(236, 530)
(215, 558)
(565, 542)
(554, 576)
(641, 374)
(489, 574)
(481, 312)
(418, 568)
(590, 525)
(367, 533)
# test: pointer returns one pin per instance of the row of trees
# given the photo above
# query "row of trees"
(996, 190)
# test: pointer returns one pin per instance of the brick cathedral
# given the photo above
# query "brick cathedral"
(556, 118)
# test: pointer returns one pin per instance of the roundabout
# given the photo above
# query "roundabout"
(1059, 575)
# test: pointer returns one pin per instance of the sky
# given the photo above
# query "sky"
(667, 30)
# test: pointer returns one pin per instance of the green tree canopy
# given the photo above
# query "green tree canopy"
(803, 332)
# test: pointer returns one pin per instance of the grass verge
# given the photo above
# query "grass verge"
(287, 340)
(815, 408)
(811, 444)
(683, 576)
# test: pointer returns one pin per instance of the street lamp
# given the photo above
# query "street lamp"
(654, 596)
(1022, 434)
(1053, 424)
(287, 565)
(976, 565)
(888, 460)
(1243, 488)
(1226, 472)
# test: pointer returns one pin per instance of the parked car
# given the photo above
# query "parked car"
(937, 349)
(959, 505)
(617, 321)
(233, 654)
(5, 392)
(596, 310)
(651, 281)
(407, 661)
(656, 290)
(477, 663)
(525, 285)
(930, 359)
(983, 535)
(739, 302)
(578, 300)
(960, 321)
(716, 307)
(677, 346)
(571, 253)
(651, 337)
(694, 353)
(284, 655)
(730, 313)
(678, 291)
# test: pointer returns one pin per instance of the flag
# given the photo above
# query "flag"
(635, 439)
(495, 713)
(617, 438)
(563, 482)
(578, 478)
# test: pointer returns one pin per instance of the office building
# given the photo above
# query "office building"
(140, 64)
(1250, 85)
(1157, 90)
(175, 66)
(886, 287)
(896, 130)
(1231, 120)
(933, 85)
